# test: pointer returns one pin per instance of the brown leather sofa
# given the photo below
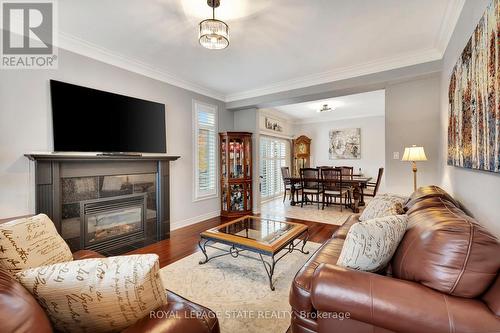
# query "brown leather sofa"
(20, 312)
(444, 277)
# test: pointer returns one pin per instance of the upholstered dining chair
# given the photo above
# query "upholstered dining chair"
(311, 185)
(285, 174)
(372, 188)
(333, 187)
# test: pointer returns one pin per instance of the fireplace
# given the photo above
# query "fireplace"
(109, 222)
(108, 204)
(101, 213)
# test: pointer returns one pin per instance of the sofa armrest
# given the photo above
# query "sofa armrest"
(178, 315)
(86, 254)
(397, 305)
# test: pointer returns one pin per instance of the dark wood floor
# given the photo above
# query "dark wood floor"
(184, 242)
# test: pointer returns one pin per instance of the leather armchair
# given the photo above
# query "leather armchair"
(20, 312)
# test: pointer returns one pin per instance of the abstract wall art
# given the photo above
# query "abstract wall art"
(345, 144)
(474, 105)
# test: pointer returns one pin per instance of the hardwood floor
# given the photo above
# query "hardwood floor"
(184, 242)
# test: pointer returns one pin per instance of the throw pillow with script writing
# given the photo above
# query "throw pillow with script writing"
(383, 205)
(370, 245)
(31, 242)
(97, 295)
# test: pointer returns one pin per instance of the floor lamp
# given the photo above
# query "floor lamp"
(414, 154)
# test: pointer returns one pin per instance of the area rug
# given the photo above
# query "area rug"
(237, 289)
(330, 215)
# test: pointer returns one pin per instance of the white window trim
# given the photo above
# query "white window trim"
(197, 196)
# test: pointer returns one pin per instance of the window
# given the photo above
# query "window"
(205, 150)
(273, 156)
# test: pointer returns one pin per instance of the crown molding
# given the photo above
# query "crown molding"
(451, 16)
(381, 65)
(272, 112)
(307, 121)
(85, 48)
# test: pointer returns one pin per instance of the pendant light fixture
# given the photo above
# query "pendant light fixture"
(214, 34)
(325, 108)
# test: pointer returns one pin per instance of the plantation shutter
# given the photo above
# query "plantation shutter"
(206, 150)
(273, 156)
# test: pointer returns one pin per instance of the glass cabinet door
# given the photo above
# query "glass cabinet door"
(223, 162)
(248, 194)
(248, 162)
(236, 156)
(237, 198)
(223, 197)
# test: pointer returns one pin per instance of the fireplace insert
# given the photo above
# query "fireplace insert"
(108, 223)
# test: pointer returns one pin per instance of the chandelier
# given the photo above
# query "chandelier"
(214, 34)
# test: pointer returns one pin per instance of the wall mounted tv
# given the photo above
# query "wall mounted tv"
(90, 120)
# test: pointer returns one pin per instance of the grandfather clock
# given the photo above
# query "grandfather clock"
(301, 153)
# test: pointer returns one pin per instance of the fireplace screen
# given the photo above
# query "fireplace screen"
(111, 219)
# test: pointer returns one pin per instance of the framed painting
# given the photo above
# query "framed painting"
(345, 144)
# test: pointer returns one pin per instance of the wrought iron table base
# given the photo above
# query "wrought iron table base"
(236, 249)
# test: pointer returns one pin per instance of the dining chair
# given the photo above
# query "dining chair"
(333, 187)
(371, 187)
(347, 172)
(285, 174)
(311, 185)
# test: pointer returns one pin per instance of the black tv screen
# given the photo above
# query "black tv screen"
(90, 120)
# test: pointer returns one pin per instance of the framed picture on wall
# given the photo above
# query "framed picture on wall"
(345, 144)
(272, 124)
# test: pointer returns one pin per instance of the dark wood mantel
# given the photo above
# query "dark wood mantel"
(53, 156)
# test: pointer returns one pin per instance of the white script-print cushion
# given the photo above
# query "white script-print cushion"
(31, 242)
(383, 205)
(370, 245)
(97, 295)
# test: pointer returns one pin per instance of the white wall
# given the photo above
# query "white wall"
(372, 142)
(248, 121)
(478, 191)
(412, 118)
(25, 125)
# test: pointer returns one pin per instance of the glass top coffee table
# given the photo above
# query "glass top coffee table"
(259, 235)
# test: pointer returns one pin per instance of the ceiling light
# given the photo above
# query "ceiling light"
(325, 108)
(214, 34)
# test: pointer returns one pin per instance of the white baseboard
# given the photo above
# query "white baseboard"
(184, 223)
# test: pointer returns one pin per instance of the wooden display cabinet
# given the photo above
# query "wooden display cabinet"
(236, 173)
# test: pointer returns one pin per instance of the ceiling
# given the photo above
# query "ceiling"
(368, 104)
(275, 45)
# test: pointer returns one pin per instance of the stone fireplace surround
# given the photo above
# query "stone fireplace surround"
(65, 182)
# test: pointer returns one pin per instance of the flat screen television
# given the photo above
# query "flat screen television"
(90, 120)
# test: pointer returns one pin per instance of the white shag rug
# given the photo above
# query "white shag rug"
(237, 289)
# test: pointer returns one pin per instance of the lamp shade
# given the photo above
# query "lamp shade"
(414, 154)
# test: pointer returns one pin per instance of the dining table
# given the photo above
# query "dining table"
(357, 183)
